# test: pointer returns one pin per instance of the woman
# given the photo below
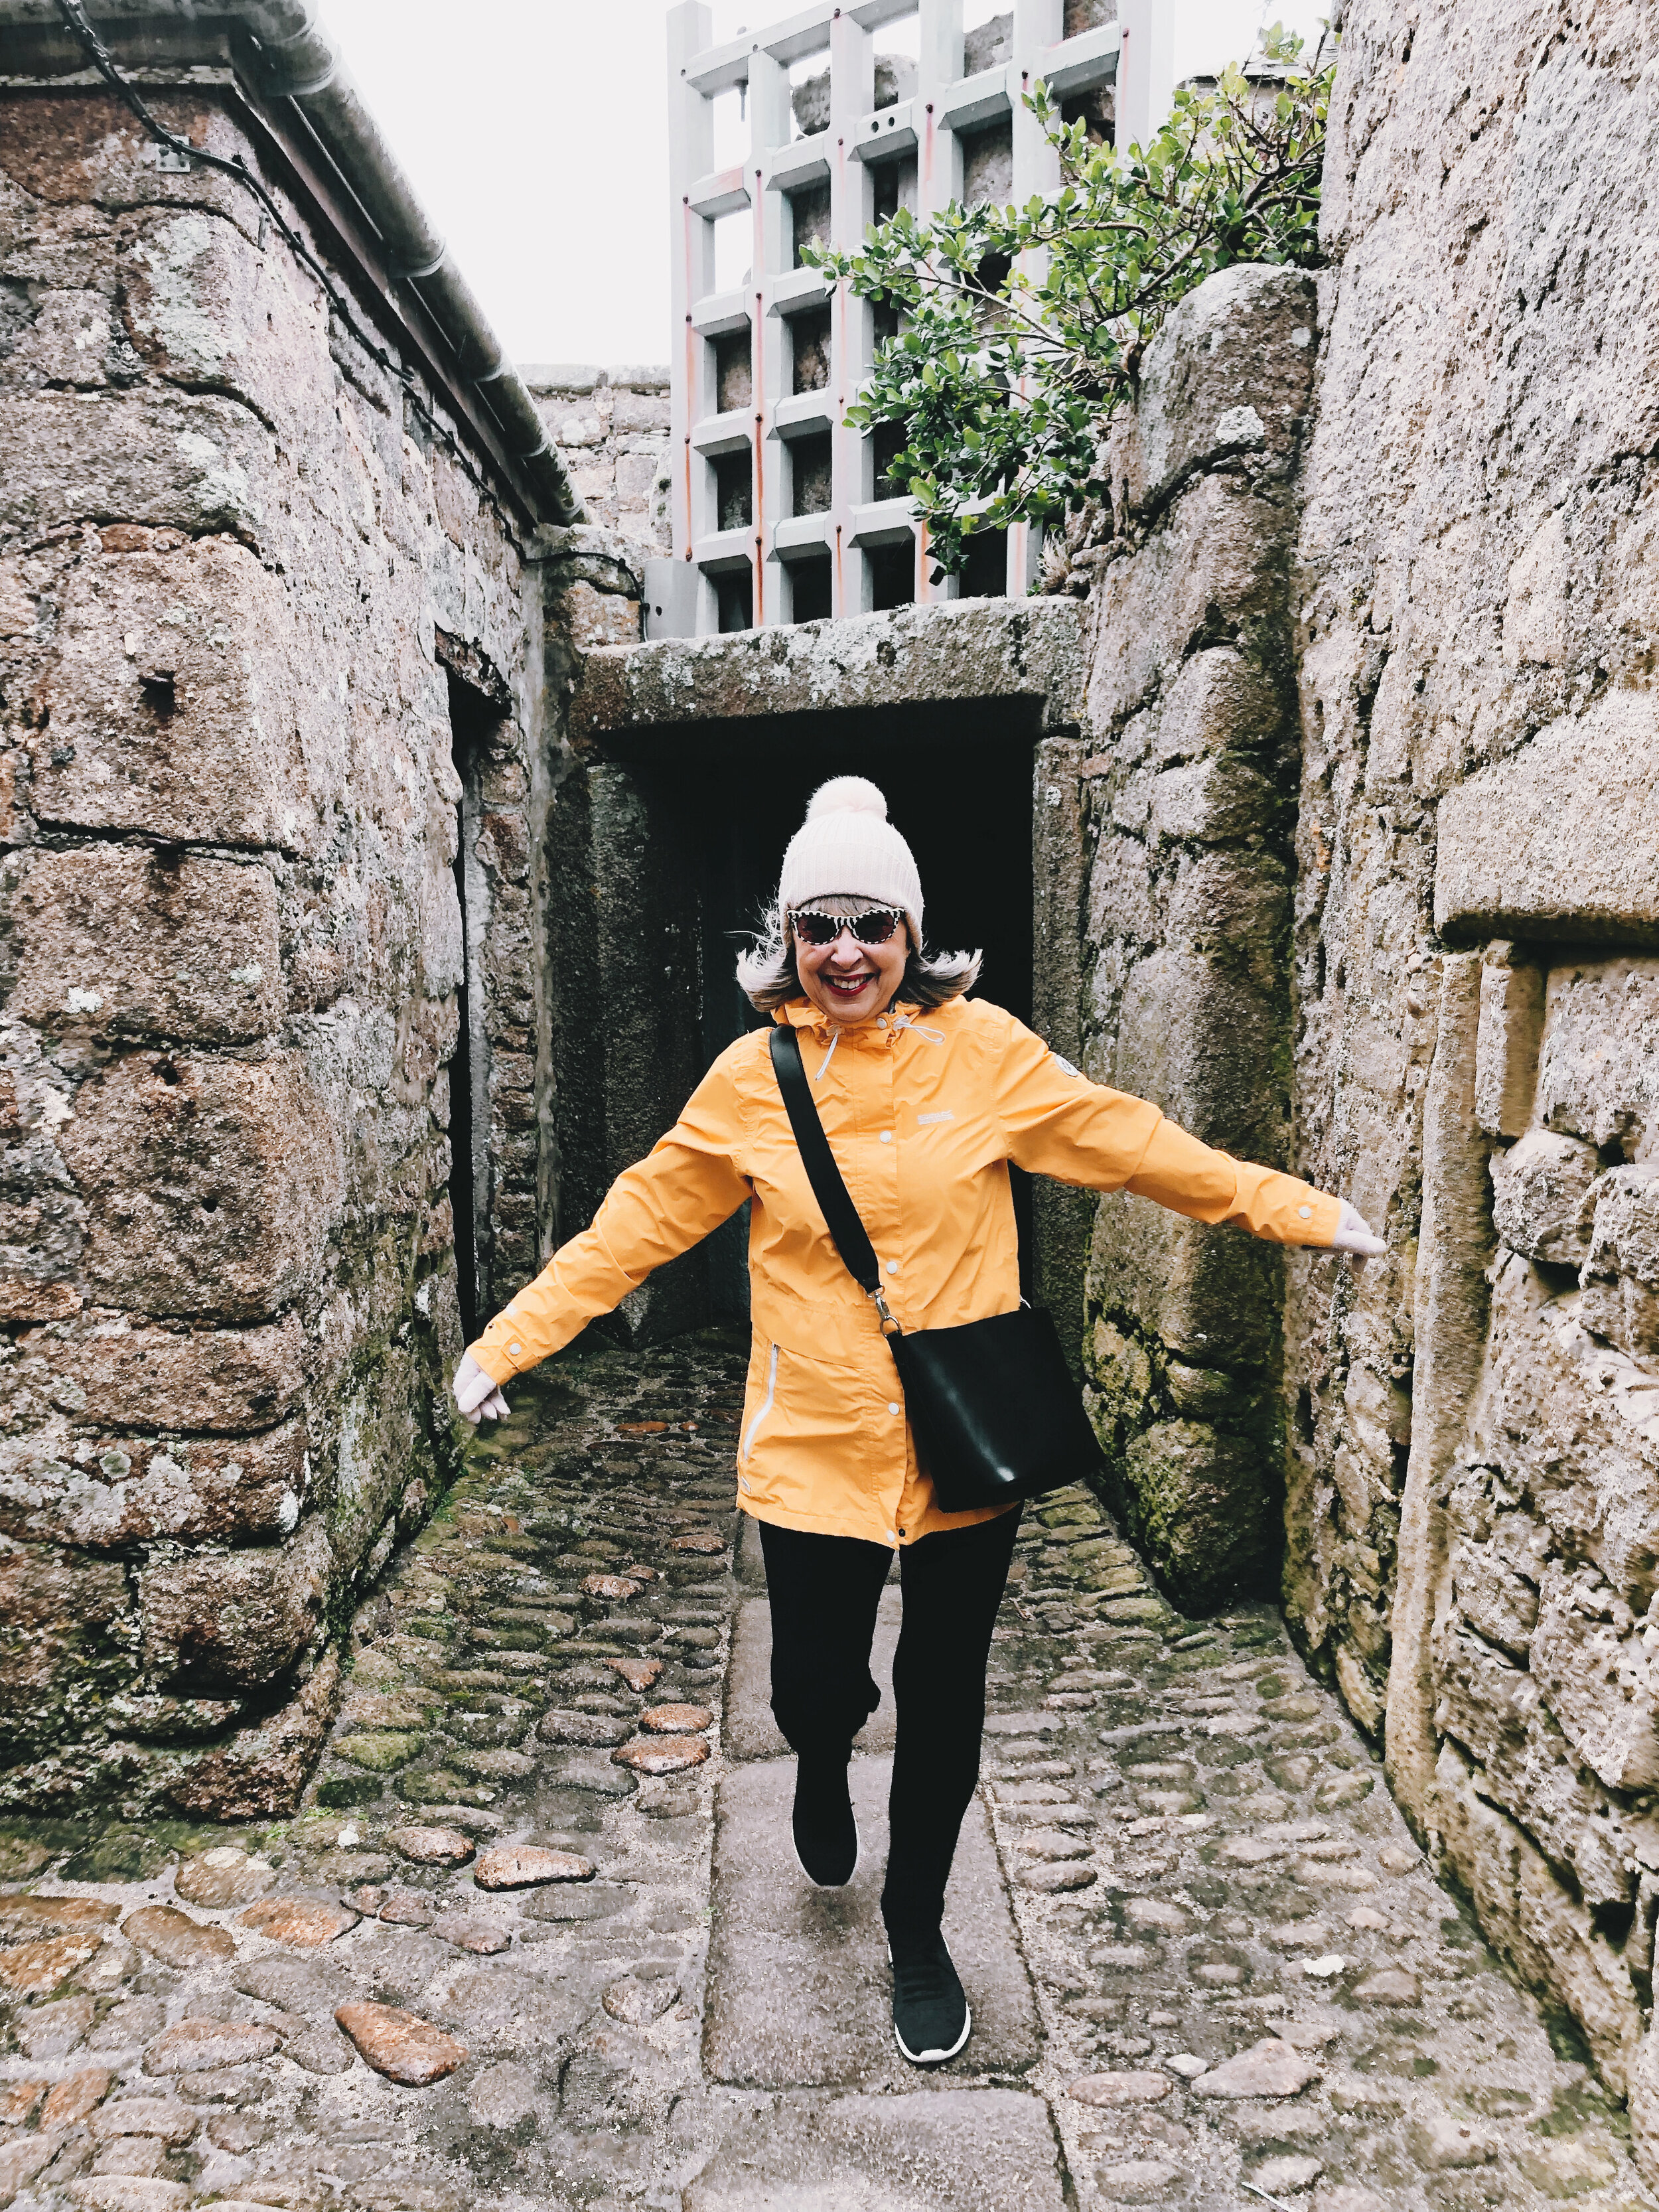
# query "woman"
(925, 1096)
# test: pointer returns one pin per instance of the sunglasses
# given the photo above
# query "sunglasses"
(873, 927)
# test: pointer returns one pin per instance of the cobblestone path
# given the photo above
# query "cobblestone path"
(538, 1941)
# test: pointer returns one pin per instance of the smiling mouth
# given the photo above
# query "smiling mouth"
(849, 987)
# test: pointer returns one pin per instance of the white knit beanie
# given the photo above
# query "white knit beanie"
(847, 847)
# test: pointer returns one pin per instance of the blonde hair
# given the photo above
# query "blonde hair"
(767, 977)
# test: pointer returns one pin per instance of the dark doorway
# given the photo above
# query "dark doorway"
(471, 721)
(962, 799)
(886, 444)
(810, 481)
(734, 374)
(957, 780)
(809, 348)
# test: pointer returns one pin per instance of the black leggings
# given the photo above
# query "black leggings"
(824, 1591)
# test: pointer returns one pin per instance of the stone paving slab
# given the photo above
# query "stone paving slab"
(750, 1732)
(948, 2150)
(798, 1992)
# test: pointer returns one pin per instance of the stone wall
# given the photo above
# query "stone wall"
(242, 583)
(1428, 977)
(611, 429)
(1474, 1501)
(1185, 801)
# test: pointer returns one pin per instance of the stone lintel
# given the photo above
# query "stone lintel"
(1558, 840)
(975, 649)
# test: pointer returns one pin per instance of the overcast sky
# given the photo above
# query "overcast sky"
(534, 131)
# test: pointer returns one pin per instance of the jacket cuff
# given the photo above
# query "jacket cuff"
(1321, 1226)
(497, 1359)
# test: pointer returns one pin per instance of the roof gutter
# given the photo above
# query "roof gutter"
(296, 61)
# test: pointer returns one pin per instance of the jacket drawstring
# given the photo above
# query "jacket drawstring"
(900, 1022)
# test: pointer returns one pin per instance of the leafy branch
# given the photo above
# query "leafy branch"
(1021, 330)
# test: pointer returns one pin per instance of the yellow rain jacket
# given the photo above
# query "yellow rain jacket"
(923, 1111)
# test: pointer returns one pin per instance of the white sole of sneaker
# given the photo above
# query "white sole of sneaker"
(935, 2058)
(858, 1860)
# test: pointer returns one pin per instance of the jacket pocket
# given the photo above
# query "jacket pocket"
(769, 1399)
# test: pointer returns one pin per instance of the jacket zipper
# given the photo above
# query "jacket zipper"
(765, 1406)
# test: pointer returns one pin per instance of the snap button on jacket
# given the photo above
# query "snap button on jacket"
(923, 1111)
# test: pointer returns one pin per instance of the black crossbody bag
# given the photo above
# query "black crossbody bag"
(996, 1415)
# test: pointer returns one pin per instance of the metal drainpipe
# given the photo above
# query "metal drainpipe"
(303, 65)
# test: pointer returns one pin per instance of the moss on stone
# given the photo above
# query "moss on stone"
(343, 1790)
(1188, 1663)
(119, 1855)
(1121, 1371)
(1138, 1609)
(426, 1788)
(1114, 1581)
(1104, 1549)
(376, 1669)
(381, 1752)
(1201, 1501)
(22, 1857)
(1071, 1515)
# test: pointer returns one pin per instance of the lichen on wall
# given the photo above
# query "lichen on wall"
(1473, 1541)
(1186, 791)
(239, 579)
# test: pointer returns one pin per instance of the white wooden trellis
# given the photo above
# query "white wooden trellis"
(763, 557)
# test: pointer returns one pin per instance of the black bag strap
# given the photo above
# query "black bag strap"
(840, 1215)
(848, 1232)
(1019, 1190)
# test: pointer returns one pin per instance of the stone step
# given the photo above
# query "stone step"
(799, 1994)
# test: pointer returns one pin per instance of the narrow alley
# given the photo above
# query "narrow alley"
(537, 1938)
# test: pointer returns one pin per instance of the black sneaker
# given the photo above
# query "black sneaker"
(826, 1835)
(931, 2016)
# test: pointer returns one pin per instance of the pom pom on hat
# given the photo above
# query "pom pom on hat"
(847, 847)
(846, 794)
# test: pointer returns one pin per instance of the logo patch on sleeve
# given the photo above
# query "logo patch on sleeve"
(1065, 1065)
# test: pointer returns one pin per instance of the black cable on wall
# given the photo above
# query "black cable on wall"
(85, 33)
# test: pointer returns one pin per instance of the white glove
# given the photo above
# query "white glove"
(1353, 1234)
(478, 1394)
